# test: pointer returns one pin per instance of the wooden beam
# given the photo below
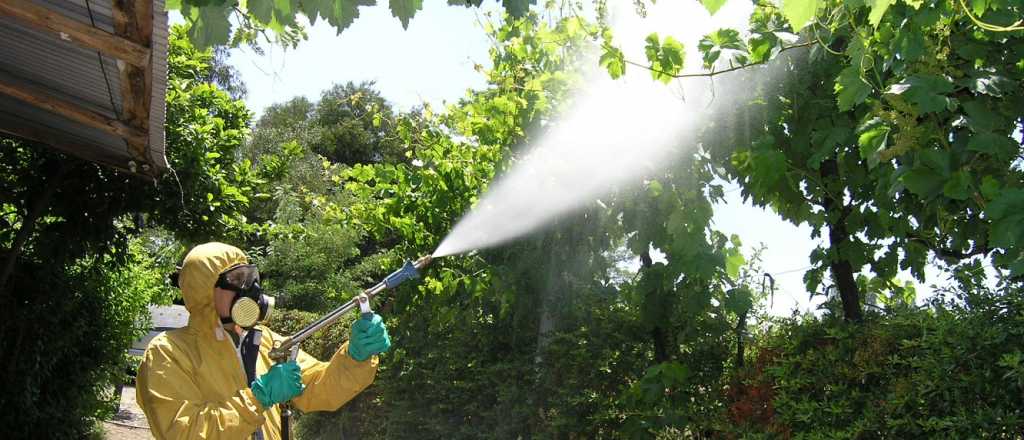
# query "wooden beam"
(61, 143)
(74, 112)
(74, 31)
(133, 20)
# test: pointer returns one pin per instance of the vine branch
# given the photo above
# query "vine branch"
(718, 72)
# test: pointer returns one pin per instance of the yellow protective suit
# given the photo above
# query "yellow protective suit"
(191, 384)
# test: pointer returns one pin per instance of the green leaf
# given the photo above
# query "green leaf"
(878, 8)
(666, 57)
(983, 117)
(1007, 232)
(923, 181)
(654, 188)
(958, 186)
(993, 85)
(339, 13)
(738, 300)
(405, 10)
(1008, 202)
(713, 5)
(850, 89)
(209, 26)
(799, 12)
(172, 5)
(262, 10)
(989, 187)
(916, 4)
(979, 6)
(871, 142)
(517, 8)
(733, 262)
(714, 43)
(993, 144)
(760, 47)
(926, 92)
(653, 47)
(937, 160)
(613, 60)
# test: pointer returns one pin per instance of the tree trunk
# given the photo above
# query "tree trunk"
(842, 275)
(838, 236)
(741, 327)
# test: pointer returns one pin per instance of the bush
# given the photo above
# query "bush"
(65, 334)
(944, 372)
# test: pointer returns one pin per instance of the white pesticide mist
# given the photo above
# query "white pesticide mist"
(616, 132)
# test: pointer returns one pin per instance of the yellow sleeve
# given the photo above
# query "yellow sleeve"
(329, 385)
(176, 409)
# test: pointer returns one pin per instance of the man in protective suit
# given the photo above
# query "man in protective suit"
(214, 378)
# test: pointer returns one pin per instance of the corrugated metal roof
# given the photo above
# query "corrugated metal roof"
(33, 59)
(157, 104)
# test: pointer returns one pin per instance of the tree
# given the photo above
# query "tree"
(893, 135)
(356, 126)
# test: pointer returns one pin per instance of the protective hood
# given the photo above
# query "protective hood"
(198, 275)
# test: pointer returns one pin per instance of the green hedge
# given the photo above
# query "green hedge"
(943, 372)
(64, 341)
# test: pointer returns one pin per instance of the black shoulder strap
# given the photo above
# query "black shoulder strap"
(250, 351)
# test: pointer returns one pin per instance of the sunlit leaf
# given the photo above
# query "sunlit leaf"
(713, 5)
(799, 12)
(878, 8)
(613, 60)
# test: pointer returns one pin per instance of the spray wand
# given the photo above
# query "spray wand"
(289, 348)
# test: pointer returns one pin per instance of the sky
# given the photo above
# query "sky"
(433, 62)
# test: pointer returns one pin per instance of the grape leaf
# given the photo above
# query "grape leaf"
(850, 89)
(878, 8)
(518, 8)
(208, 26)
(958, 186)
(926, 92)
(799, 12)
(613, 60)
(994, 144)
(923, 181)
(405, 10)
(713, 5)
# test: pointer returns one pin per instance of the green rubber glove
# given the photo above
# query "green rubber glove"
(369, 337)
(282, 383)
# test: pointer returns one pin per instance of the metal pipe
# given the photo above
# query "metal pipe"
(288, 348)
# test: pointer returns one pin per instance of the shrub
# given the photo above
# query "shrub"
(946, 371)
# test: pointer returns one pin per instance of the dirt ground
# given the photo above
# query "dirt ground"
(129, 423)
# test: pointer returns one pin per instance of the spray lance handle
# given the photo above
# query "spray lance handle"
(365, 312)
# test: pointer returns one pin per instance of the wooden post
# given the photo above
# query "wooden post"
(133, 20)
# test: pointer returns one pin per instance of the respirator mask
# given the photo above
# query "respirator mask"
(250, 305)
